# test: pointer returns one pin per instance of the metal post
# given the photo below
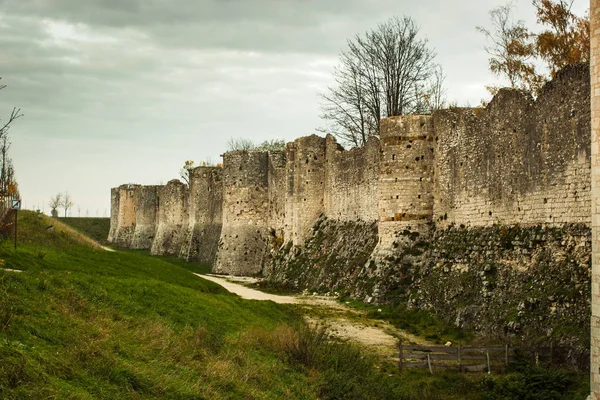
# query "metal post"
(16, 211)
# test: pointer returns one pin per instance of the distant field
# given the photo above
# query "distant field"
(96, 228)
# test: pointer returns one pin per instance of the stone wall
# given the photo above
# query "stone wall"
(405, 179)
(305, 185)
(124, 200)
(146, 208)
(595, 195)
(205, 215)
(277, 195)
(518, 160)
(245, 233)
(172, 218)
(351, 181)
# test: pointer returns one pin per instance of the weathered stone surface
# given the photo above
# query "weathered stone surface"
(205, 215)
(172, 218)
(243, 242)
(123, 203)
(518, 160)
(595, 195)
(146, 209)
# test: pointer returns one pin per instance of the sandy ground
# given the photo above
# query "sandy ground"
(340, 320)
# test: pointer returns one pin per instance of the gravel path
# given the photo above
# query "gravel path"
(378, 335)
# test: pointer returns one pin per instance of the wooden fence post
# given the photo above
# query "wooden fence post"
(487, 356)
(459, 360)
(400, 354)
(429, 364)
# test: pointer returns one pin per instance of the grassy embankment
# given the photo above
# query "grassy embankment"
(81, 322)
(84, 323)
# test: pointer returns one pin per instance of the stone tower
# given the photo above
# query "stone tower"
(146, 209)
(595, 196)
(205, 215)
(244, 236)
(405, 179)
(171, 218)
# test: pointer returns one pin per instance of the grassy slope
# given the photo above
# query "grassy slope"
(86, 323)
(96, 228)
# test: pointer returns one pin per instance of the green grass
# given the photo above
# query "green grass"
(84, 323)
(95, 228)
(418, 322)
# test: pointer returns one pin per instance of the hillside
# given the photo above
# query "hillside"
(83, 323)
(95, 228)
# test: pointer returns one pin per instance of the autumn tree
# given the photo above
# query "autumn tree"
(512, 52)
(8, 184)
(184, 172)
(567, 37)
(514, 49)
(384, 72)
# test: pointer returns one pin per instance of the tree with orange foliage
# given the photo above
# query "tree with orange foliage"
(512, 52)
(514, 49)
(567, 40)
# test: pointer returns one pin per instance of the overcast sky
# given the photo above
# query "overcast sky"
(119, 91)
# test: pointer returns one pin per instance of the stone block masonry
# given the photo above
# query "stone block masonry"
(405, 179)
(245, 232)
(123, 214)
(172, 218)
(595, 195)
(518, 160)
(205, 215)
(146, 208)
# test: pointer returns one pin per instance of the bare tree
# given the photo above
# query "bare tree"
(240, 144)
(67, 202)
(54, 203)
(383, 73)
(435, 97)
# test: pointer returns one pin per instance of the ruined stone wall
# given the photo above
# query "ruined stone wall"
(351, 181)
(595, 195)
(114, 214)
(172, 218)
(146, 209)
(519, 160)
(405, 180)
(277, 195)
(123, 214)
(245, 233)
(305, 169)
(205, 215)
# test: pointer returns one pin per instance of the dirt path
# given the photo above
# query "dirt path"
(339, 319)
